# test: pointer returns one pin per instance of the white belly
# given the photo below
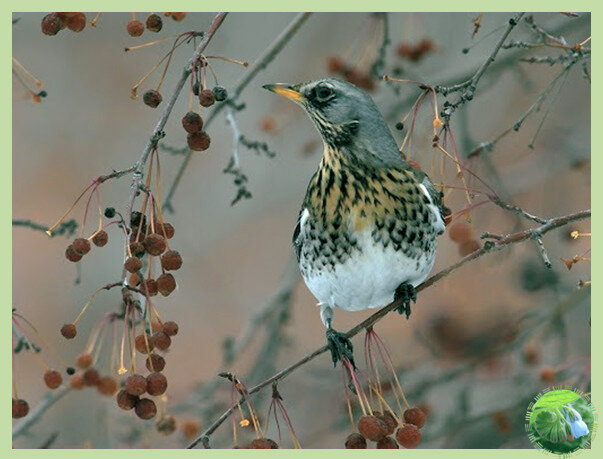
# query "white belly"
(369, 278)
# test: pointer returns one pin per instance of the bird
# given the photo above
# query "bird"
(366, 234)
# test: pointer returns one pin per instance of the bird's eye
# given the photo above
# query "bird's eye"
(323, 93)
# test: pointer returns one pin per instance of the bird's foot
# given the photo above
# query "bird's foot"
(407, 293)
(340, 346)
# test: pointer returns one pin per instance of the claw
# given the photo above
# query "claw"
(407, 293)
(340, 346)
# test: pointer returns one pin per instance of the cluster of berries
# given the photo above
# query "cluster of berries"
(363, 79)
(380, 428)
(91, 377)
(192, 122)
(153, 23)
(53, 23)
(81, 246)
(462, 234)
(416, 51)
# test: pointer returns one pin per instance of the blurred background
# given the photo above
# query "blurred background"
(478, 346)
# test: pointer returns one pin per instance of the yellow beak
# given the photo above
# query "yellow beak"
(285, 90)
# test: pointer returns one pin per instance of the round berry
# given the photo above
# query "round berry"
(156, 384)
(149, 286)
(77, 22)
(81, 245)
(196, 88)
(460, 232)
(409, 436)
(145, 408)
(220, 93)
(177, 16)
(152, 98)
(468, 247)
(154, 244)
(91, 377)
(161, 340)
(84, 361)
(387, 443)
(69, 331)
(100, 239)
(547, 374)
(166, 425)
(72, 255)
(335, 64)
(170, 328)
(171, 260)
(372, 427)
(263, 443)
(70, 371)
(192, 122)
(166, 284)
(355, 441)
(110, 212)
(415, 416)
(136, 384)
(137, 249)
(206, 98)
(169, 230)
(52, 379)
(77, 382)
(52, 24)
(389, 421)
(135, 28)
(125, 400)
(20, 408)
(107, 386)
(155, 363)
(143, 344)
(154, 22)
(133, 264)
(198, 141)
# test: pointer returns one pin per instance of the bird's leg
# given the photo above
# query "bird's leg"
(407, 293)
(340, 345)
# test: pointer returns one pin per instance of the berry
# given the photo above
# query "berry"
(408, 436)
(91, 377)
(161, 340)
(149, 286)
(220, 93)
(145, 408)
(84, 361)
(460, 232)
(190, 428)
(110, 212)
(134, 280)
(355, 441)
(69, 331)
(154, 244)
(137, 249)
(387, 443)
(263, 443)
(206, 98)
(156, 384)
(155, 363)
(170, 328)
(52, 24)
(135, 28)
(125, 400)
(166, 425)
(192, 122)
(335, 64)
(81, 245)
(143, 344)
(372, 427)
(152, 98)
(468, 247)
(107, 386)
(100, 239)
(154, 22)
(166, 284)
(20, 408)
(198, 141)
(133, 264)
(196, 88)
(72, 255)
(399, 125)
(176, 16)
(77, 382)
(171, 260)
(136, 384)
(415, 416)
(389, 421)
(77, 22)
(547, 374)
(169, 230)
(52, 379)
(70, 371)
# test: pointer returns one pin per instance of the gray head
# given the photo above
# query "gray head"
(345, 115)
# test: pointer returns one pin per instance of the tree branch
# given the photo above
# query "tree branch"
(50, 399)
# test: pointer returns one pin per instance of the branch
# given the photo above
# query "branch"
(50, 399)
(489, 247)
(67, 227)
(260, 64)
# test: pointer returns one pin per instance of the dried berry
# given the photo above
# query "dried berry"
(149, 286)
(152, 98)
(372, 427)
(468, 247)
(161, 341)
(133, 264)
(171, 260)
(136, 384)
(460, 232)
(107, 386)
(77, 22)
(52, 379)
(335, 64)
(415, 416)
(52, 24)
(220, 93)
(192, 122)
(408, 436)
(145, 408)
(355, 441)
(156, 384)
(125, 400)
(81, 245)
(547, 374)
(387, 443)
(154, 23)
(20, 408)
(199, 141)
(100, 239)
(77, 382)
(70, 370)
(135, 28)
(206, 98)
(154, 244)
(69, 331)
(263, 443)
(170, 328)
(84, 361)
(133, 280)
(155, 363)
(137, 249)
(168, 229)
(72, 255)
(110, 212)
(91, 377)
(196, 88)
(143, 344)
(166, 425)
(190, 428)
(166, 284)
(389, 421)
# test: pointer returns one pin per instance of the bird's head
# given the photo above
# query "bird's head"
(343, 114)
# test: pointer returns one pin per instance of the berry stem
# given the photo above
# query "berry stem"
(60, 220)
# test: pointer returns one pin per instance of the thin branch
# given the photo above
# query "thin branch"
(489, 247)
(34, 416)
(67, 228)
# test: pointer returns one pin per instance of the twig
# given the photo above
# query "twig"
(490, 247)
(67, 228)
(49, 399)
(260, 64)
